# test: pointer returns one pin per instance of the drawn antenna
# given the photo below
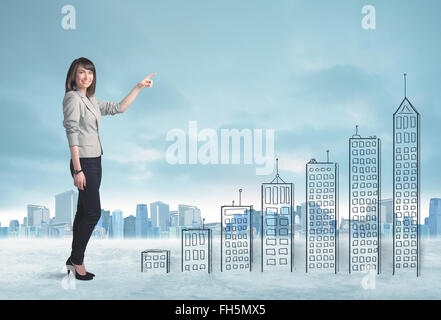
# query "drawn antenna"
(405, 85)
(356, 132)
(327, 155)
(277, 173)
(240, 197)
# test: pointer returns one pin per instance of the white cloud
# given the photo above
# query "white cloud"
(136, 154)
(141, 176)
(293, 164)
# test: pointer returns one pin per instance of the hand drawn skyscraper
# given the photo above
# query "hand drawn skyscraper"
(364, 204)
(322, 216)
(277, 224)
(406, 187)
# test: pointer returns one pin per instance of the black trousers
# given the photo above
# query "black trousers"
(88, 207)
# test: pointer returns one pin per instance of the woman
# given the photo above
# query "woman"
(82, 116)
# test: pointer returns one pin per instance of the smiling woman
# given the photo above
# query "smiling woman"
(82, 116)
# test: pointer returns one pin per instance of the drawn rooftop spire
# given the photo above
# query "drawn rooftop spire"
(405, 86)
(356, 135)
(277, 173)
(406, 107)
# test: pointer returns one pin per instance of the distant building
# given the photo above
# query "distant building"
(106, 221)
(160, 215)
(3, 232)
(424, 230)
(189, 215)
(297, 214)
(215, 227)
(117, 224)
(65, 207)
(14, 225)
(301, 212)
(130, 227)
(434, 219)
(257, 220)
(174, 218)
(99, 232)
(141, 221)
(22, 231)
(344, 225)
(175, 232)
(386, 209)
(37, 214)
(387, 230)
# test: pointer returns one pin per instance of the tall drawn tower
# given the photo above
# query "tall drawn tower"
(321, 216)
(406, 187)
(364, 203)
(277, 224)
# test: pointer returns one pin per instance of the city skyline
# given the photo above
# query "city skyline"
(322, 70)
(384, 218)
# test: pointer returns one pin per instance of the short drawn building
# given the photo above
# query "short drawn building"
(155, 260)
(196, 248)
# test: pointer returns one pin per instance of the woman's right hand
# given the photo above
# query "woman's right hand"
(80, 180)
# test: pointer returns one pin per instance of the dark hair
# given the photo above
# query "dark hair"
(71, 75)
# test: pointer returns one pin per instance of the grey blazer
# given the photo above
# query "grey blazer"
(82, 120)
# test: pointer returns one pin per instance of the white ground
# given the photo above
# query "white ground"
(34, 269)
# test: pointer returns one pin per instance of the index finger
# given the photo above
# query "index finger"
(153, 74)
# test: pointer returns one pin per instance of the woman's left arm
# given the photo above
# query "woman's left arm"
(127, 101)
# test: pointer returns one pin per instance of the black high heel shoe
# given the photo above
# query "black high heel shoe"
(69, 262)
(87, 276)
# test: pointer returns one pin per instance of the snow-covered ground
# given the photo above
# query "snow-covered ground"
(34, 269)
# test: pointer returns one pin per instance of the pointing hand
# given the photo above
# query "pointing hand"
(147, 82)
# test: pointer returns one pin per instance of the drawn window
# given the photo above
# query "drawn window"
(399, 123)
(187, 239)
(268, 195)
(282, 194)
(275, 195)
(405, 122)
(201, 238)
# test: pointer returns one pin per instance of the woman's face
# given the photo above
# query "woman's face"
(83, 78)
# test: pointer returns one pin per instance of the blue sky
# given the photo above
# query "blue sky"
(303, 68)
